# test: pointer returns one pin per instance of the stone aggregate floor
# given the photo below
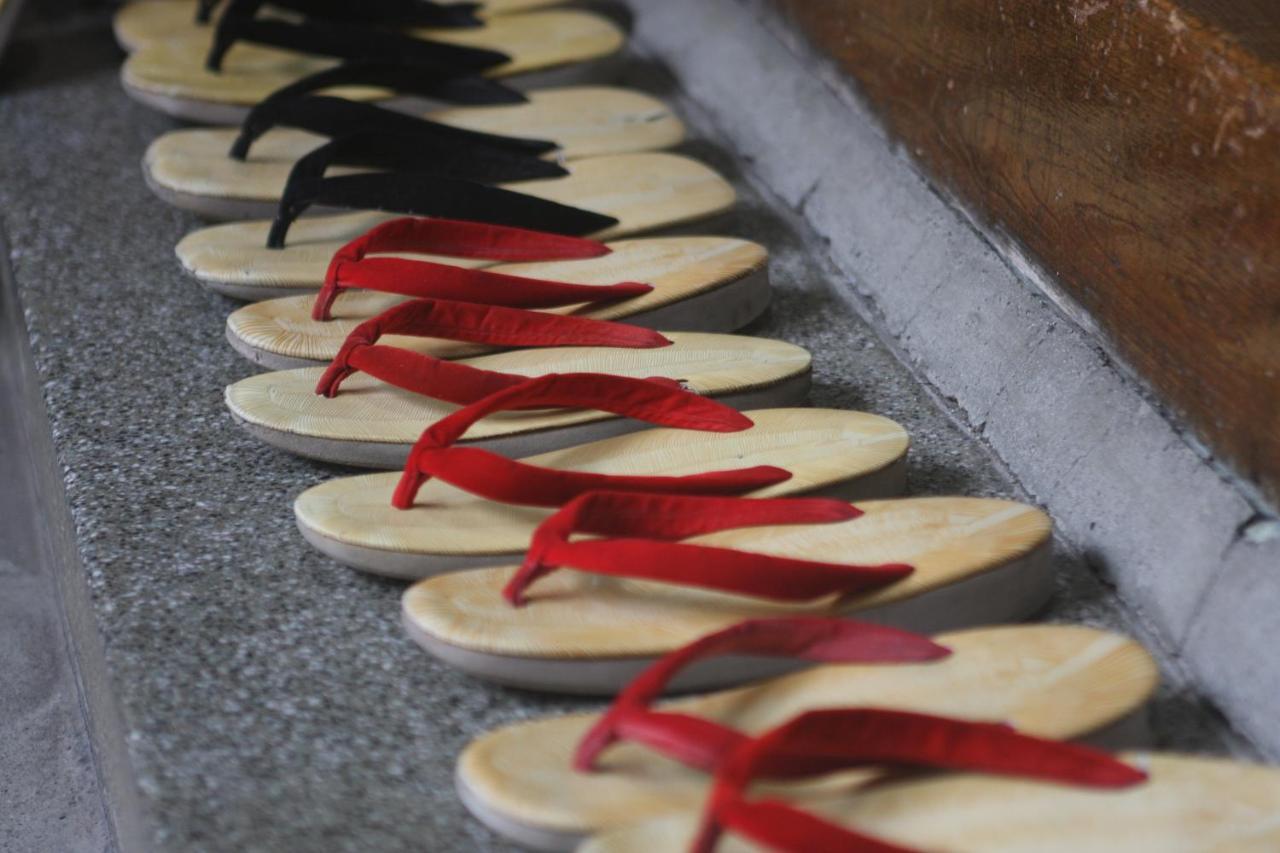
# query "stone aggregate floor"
(272, 700)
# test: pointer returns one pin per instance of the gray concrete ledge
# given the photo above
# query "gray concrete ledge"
(64, 782)
(1195, 558)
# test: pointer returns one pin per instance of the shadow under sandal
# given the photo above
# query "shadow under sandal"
(549, 783)
(601, 197)
(222, 173)
(194, 77)
(369, 406)
(140, 22)
(708, 284)
(1006, 794)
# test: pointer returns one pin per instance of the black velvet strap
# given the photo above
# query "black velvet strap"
(391, 13)
(437, 152)
(336, 117)
(347, 41)
(435, 84)
(423, 194)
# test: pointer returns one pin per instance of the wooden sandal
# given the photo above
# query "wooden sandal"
(173, 75)
(708, 284)
(388, 393)
(931, 564)
(1164, 802)
(549, 783)
(141, 22)
(194, 169)
(409, 526)
(618, 195)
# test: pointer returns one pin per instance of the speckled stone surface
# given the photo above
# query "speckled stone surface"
(272, 700)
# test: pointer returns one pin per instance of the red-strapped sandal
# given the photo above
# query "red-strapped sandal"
(381, 411)
(479, 509)
(549, 783)
(1011, 794)
(709, 284)
(634, 595)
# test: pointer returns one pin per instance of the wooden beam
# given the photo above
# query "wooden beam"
(1133, 146)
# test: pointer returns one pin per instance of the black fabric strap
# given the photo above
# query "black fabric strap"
(346, 41)
(437, 153)
(391, 13)
(435, 84)
(422, 194)
(337, 117)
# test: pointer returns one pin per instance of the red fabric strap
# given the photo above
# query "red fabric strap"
(702, 743)
(443, 281)
(462, 239)
(350, 266)
(820, 742)
(657, 401)
(640, 523)
(465, 321)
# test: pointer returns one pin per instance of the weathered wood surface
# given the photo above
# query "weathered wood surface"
(1133, 147)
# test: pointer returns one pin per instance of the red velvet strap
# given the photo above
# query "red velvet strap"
(641, 523)
(820, 742)
(465, 321)
(702, 743)
(351, 266)
(460, 239)
(442, 281)
(489, 475)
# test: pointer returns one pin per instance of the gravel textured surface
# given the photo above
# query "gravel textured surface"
(272, 700)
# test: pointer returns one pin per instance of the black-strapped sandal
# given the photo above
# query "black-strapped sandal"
(141, 22)
(219, 172)
(250, 56)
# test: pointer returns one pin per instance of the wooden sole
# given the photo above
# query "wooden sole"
(373, 424)
(192, 167)
(1055, 681)
(170, 73)
(1188, 805)
(851, 455)
(977, 561)
(705, 284)
(644, 192)
(141, 22)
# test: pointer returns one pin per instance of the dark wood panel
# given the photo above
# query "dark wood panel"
(1134, 147)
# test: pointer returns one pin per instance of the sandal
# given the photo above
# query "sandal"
(709, 284)
(549, 783)
(140, 22)
(456, 507)
(604, 197)
(174, 75)
(223, 173)
(931, 564)
(1163, 802)
(387, 393)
